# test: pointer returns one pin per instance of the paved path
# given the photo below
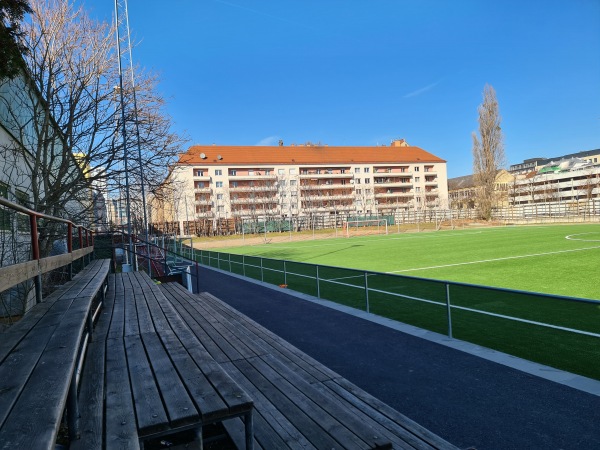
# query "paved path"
(467, 400)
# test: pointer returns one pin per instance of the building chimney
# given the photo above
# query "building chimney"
(281, 142)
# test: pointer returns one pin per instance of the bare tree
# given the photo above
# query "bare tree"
(488, 151)
(70, 128)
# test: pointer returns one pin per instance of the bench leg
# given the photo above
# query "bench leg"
(73, 410)
(199, 437)
(90, 324)
(249, 425)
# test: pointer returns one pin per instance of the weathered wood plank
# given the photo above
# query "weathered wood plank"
(54, 262)
(121, 429)
(92, 394)
(150, 413)
(17, 273)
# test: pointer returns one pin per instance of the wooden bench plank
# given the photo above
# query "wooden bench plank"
(34, 418)
(121, 429)
(92, 390)
(150, 413)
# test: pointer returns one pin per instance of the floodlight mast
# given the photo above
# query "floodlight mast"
(124, 137)
(137, 133)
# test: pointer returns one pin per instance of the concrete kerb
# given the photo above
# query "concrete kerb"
(574, 381)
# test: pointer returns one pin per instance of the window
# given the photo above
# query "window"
(343, 182)
(219, 196)
(282, 183)
(367, 169)
(359, 191)
(367, 180)
(417, 179)
(281, 171)
(219, 184)
(368, 191)
(304, 172)
(234, 184)
(416, 168)
(232, 173)
(293, 182)
(342, 170)
(417, 189)
(357, 170)
(218, 172)
(22, 199)
(267, 171)
(357, 181)
(292, 171)
(221, 208)
(199, 173)
(199, 184)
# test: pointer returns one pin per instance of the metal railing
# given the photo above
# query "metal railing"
(35, 264)
(563, 332)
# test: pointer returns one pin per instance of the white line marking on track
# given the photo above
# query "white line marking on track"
(572, 238)
(493, 260)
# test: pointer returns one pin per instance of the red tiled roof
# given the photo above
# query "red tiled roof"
(314, 154)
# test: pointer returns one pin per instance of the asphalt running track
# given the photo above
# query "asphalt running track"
(469, 401)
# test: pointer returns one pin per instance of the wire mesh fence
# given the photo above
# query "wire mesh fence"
(557, 331)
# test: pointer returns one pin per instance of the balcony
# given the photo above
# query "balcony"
(394, 194)
(390, 183)
(326, 175)
(393, 205)
(204, 177)
(317, 198)
(206, 201)
(202, 190)
(255, 201)
(253, 177)
(253, 189)
(318, 187)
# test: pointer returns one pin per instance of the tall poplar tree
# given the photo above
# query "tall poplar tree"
(488, 152)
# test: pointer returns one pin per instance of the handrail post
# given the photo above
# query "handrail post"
(448, 308)
(70, 248)
(35, 254)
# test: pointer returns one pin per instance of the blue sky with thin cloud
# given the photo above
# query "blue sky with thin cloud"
(364, 72)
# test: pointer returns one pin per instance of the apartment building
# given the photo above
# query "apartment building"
(295, 180)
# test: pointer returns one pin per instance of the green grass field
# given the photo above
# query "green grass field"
(559, 260)
(555, 259)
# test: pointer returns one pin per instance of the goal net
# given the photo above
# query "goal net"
(364, 227)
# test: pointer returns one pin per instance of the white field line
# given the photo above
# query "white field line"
(572, 238)
(463, 308)
(494, 259)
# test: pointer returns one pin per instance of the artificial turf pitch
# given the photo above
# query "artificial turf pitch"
(559, 260)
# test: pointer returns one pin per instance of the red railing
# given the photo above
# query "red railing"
(14, 274)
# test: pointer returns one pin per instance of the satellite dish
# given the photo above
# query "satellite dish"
(219, 157)
(202, 155)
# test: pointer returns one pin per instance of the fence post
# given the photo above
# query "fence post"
(262, 277)
(448, 308)
(219, 260)
(197, 278)
(70, 248)
(284, 273)
(35, 254)
(244, 264)
(318, 286)
(229, 254)
(367, 292)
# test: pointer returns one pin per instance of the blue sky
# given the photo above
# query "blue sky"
(364, 72)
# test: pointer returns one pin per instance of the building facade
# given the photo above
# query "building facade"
(254, 182)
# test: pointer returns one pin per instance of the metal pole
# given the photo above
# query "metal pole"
(318, 286)
(244, 264)
(197, 278)
(229, 254)
(262, 276)
(70, 248)
(137, 133)
(448, 308)
(35, 254)
(284, 273)
(367, 293)
(124, 136)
